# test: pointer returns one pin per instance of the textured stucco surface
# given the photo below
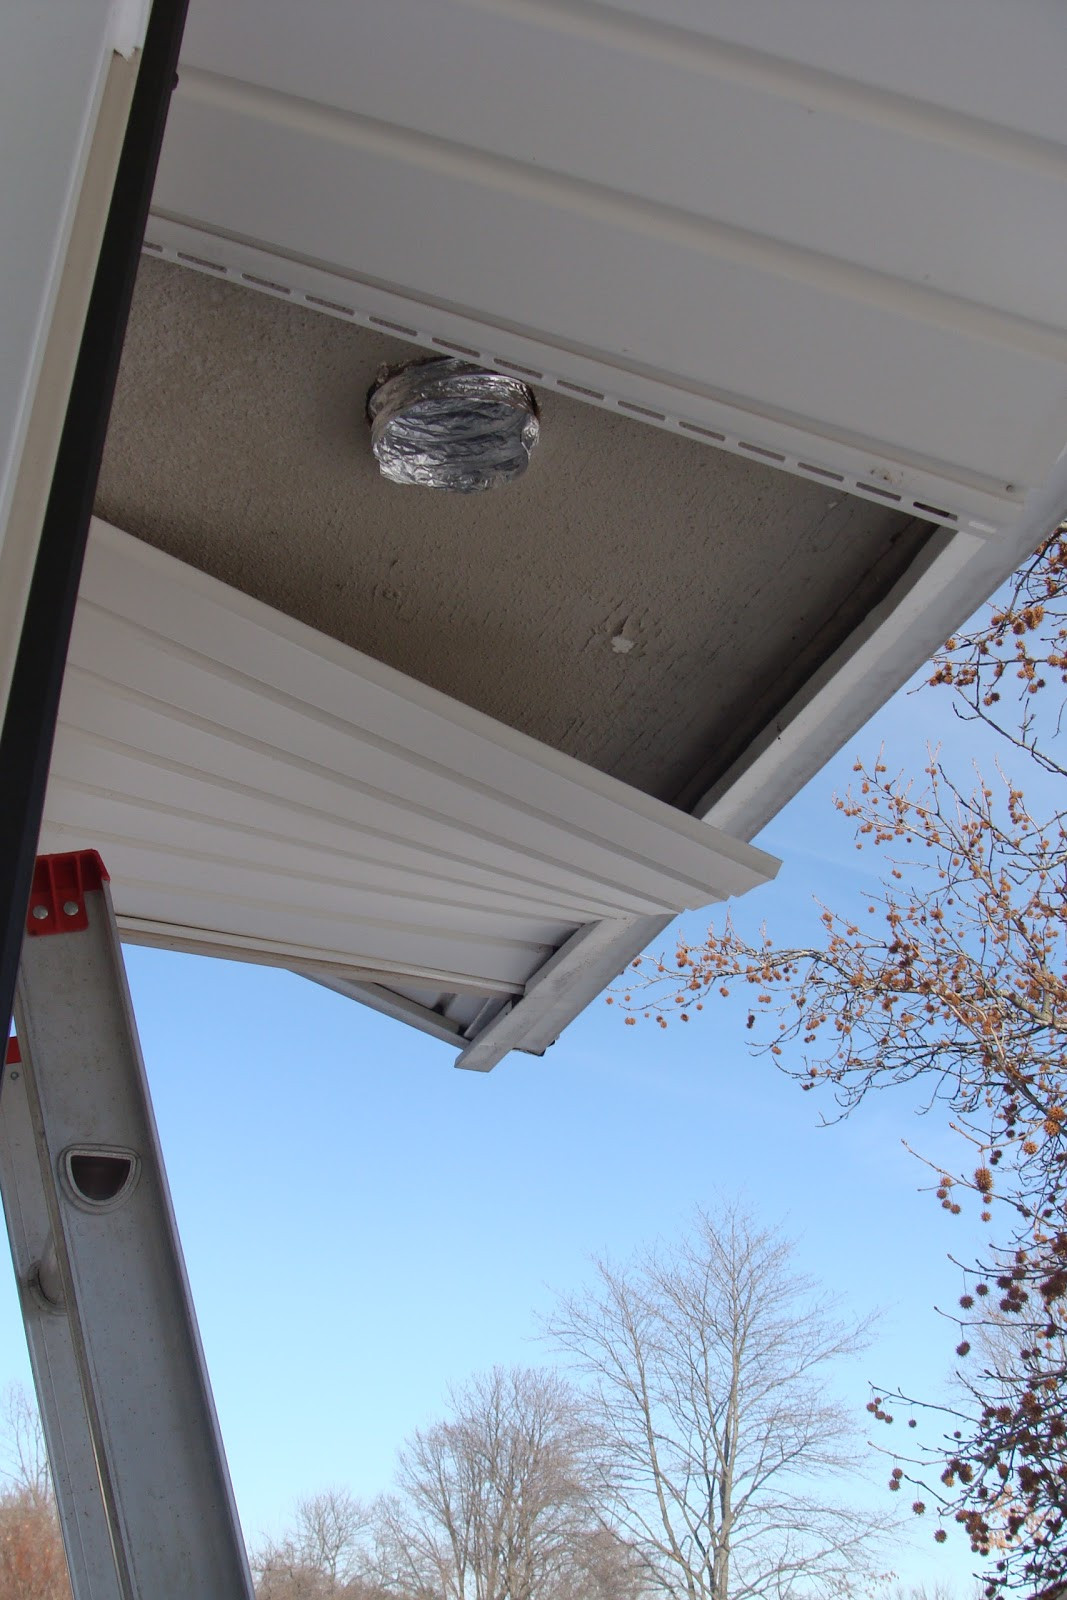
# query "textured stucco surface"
(238, 444)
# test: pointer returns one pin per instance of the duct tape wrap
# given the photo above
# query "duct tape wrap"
(450, 425)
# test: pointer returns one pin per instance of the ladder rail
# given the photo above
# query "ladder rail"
(145, 1500)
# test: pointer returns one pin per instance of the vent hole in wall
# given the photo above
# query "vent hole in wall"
(935, 511)
(395, 327)
(329, 305)
(579, 388)
(266, 283)
(874, 488)
(513, 366)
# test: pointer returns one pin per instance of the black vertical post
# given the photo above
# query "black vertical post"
(33, 704)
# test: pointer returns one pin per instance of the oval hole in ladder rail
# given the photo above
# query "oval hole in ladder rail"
(100, 1178)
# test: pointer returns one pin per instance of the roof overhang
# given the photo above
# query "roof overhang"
(257, 789)
(744, 254)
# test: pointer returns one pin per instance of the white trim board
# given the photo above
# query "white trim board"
(65, 95)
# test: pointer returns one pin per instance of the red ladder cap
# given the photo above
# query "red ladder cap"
(60, 884)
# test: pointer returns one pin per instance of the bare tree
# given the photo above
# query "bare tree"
(32, 1563)
(930, 1591)
(603, 1566)
(937, 1591)
(23, 1457)
(708, 1365)
(494, 1502)
(955, 981)
(322, 1557)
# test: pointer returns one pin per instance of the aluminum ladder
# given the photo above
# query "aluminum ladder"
(143, 1490)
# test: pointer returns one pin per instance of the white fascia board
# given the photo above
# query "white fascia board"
(560, 990)
(67, 72)
(129, 25)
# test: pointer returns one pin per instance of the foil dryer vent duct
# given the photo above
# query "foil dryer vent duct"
(447, 424)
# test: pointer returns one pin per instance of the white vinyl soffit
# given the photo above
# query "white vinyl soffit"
(256, 788)
(770, 226)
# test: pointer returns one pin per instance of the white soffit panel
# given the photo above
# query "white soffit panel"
(816, 231)
(257, 788)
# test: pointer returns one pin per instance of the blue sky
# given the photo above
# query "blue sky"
(363, 1225)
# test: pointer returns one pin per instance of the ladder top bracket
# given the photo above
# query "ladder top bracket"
(60, 884)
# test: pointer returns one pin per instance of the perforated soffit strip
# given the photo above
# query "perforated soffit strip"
(751, 449)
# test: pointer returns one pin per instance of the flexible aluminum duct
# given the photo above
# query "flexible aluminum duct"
(449, 425)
